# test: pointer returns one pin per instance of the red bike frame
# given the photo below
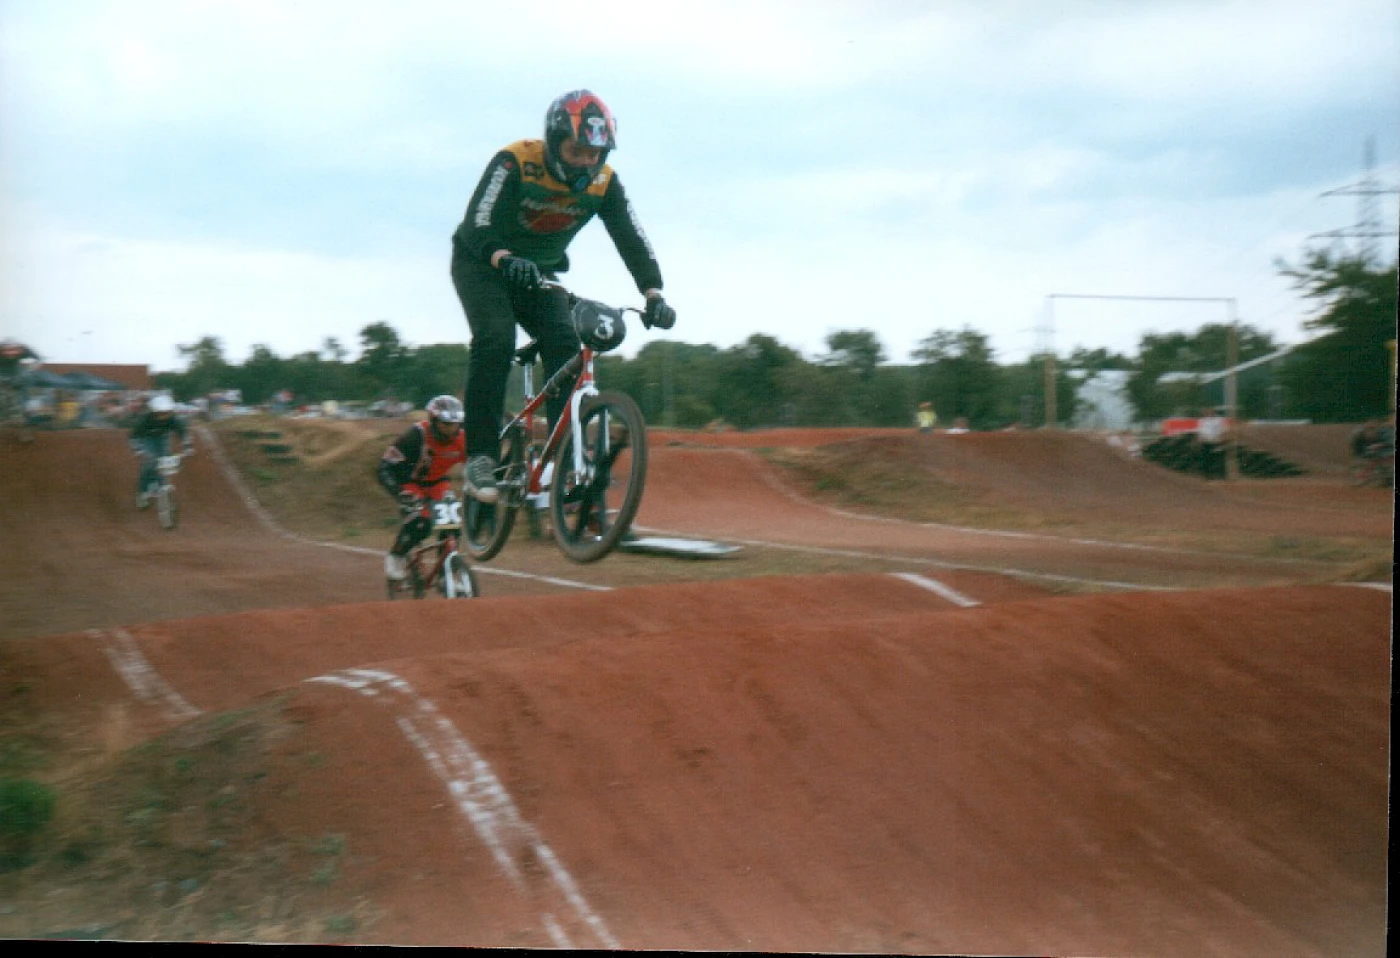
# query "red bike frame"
(586, 385)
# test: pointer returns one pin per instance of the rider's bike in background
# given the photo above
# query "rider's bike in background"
(11, 404)
(1376, 467)
(161, 489)
(435, 563)
(597, 451)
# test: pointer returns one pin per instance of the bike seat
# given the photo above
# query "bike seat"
(527, 354)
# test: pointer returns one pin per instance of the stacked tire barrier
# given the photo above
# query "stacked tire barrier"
(1185, 453)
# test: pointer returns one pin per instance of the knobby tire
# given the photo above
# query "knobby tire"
(167, 507)
(463, 577)
(486, 528)
(590, 513)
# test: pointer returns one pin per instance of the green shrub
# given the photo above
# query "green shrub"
(25, 808)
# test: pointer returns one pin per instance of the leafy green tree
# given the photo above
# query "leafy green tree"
(1205, 351)
(889, 398)
(383, 357)
(1021, 397)
(1098, 360)
(435, 370)
(313, 379)
(749, 382)
(851, 364)
(958, 375)
(1345, 374)
(858, 350)
(262, 375)
(208, 370)
(672, 382)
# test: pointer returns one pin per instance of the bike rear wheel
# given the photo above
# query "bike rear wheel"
(485, 528)
(592, 508)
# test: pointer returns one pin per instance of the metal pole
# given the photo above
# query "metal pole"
(1049, 344)
(1050, 300)
(667, 388)
(1232, 359)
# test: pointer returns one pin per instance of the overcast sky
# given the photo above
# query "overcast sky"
(282, 172)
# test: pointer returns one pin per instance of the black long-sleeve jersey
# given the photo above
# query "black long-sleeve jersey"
(518, 205)
(150, 425)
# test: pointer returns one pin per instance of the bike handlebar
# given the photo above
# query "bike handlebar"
(555, 284)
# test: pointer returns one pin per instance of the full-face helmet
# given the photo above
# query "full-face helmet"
(162, 403)
(445, 409)
(580, 116)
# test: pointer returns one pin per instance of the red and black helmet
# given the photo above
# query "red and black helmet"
(578, 115)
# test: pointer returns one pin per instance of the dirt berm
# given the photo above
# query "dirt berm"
(1164, 751)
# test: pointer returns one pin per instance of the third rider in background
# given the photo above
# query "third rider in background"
(153, 435)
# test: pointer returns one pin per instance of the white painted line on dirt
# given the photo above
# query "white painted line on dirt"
(766, 474)
(482, 799)
(511, 573)
(140, 676)
(1381, 586)
(556, 933)
(230, 472)
(937, 564)
(938, 588)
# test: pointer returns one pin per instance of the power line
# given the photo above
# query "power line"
(1368, 191)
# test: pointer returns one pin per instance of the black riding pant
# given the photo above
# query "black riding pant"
(494, 308)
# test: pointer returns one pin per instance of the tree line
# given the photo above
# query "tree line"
(1345, 374)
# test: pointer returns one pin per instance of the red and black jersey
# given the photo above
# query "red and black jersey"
(420, 457)
(518, 205)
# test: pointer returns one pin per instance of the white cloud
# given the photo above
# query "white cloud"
(134, 301)
(176, 169)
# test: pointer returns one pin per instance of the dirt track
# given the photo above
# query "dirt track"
(957, 761)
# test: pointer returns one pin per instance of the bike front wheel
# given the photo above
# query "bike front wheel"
(167, 506)
(596, 494)
(485, 528)
(461, 576)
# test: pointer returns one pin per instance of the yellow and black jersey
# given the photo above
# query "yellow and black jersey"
(518, 205)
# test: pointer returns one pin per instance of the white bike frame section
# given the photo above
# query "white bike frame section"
(447, 514)
(585, 390)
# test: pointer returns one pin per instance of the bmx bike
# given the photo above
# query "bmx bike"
(592, 466)
(12, 412)
(11, 404)
(161, 490)
(436, 563)
(1377, 468)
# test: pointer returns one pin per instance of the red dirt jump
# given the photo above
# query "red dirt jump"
(1191, 759)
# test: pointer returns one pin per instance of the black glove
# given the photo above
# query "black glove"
(521, 272)
(409, 503)
(658, 314)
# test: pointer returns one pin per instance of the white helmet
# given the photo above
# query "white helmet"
(162, 403)
(445, 409)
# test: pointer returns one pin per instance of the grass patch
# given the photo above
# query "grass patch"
(177, 839)
(26, 807)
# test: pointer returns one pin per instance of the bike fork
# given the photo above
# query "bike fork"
(576, 425)
(449, 576)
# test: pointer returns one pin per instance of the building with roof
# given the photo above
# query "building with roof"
(132, 378)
